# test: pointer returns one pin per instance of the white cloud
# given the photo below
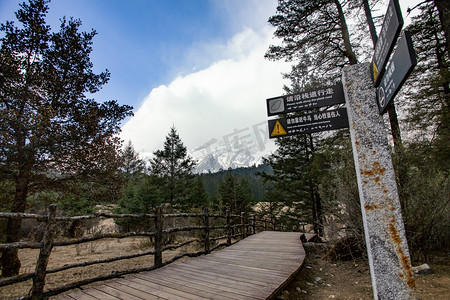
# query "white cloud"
(210, 103)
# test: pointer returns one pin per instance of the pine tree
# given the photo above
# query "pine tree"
(234, 194)
(429, 85)
(132, 164)
(173, 165)
(51, 133)
(293, 177)
(314, 34)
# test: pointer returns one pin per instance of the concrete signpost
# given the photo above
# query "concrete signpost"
(387, 249)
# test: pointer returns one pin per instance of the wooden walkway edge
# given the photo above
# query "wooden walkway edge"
(257, 267)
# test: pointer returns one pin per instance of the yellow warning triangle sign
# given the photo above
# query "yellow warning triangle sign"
(375, 72)
(278, 129)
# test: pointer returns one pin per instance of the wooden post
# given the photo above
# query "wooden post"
(158, 237)
(44, 255)
(228, 228)
(243, 224)
(206, 233)
(265, 224)
(254, 224)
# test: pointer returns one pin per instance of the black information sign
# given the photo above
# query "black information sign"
(306, 100)
(390, 31)
(397, 71)
(309, 123)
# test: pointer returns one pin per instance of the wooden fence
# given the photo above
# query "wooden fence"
(232, 227)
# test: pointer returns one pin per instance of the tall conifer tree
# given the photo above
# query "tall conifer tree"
(50, 131)
(174, 166)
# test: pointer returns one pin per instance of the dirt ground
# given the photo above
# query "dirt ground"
(319, 278)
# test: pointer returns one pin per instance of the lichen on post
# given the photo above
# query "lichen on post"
(389, 260)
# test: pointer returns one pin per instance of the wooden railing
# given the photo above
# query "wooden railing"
(232, 227)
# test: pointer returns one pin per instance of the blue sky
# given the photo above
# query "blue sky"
(197, 65)
(144, 43)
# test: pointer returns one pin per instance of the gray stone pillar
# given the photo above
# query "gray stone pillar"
(390, 264)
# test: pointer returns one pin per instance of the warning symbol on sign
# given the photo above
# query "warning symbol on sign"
(375, 71)
(278, 129)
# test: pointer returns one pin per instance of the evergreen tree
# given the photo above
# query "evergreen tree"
(132, 164)
(234, 195)
(140, 196)
(199, 197)
(50, 131)
(174, 167)
(293, 178)
(333, 168)
(314, 34)
(429, 84)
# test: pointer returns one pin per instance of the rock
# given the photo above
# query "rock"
(331, 297)
(285, 295)
(422, 270)
(318, 279)
(309, 283)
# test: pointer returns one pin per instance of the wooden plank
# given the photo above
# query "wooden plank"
(99, 294)
(223, 279)
(260, 266)
(64, 297)
(189, 285)
(254, 268)
(200, 284)
(116, 292)
(238, 272)
(151, 291)
(270, 259)
(132, 291)
(220, 276)
(81, 296)
(233, 292)
(285, 260)
(167, 292)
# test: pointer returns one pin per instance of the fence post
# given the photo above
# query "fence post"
(206, 224)
(44, 254)
(243, 225)
(158, 237)
(265, 224)
(228, 228)
(254, 223)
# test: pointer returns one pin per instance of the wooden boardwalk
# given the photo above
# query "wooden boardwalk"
(257, 267)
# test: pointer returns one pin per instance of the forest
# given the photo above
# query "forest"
(59, 146)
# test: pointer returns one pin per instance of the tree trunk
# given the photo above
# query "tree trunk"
(315, 197)
(10, 263)
(373, 32)
(345, 35)
(443, 7)
(318, 203)
(395, 127)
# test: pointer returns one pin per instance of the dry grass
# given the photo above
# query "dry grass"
(96, 250)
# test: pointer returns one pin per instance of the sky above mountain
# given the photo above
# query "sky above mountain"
(197, 65)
